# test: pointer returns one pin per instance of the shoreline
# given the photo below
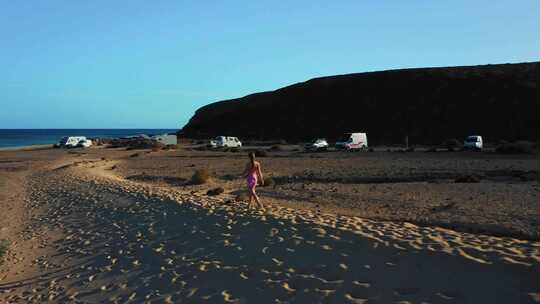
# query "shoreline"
(28, 147)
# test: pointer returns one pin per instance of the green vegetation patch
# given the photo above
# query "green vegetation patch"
(4, 245)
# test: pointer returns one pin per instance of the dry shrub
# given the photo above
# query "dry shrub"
(228, 177)
(200, 177)
(276, 148)
(135, 155)
(4, 244)
(269, 182)
(468, 179)
(518, 147)
(261, 153)
(451, 144)
(156, 149)
(215, 191)
(135, 144)
(241, 197)
(170, 147)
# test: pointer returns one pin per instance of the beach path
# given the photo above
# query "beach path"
(110, 240)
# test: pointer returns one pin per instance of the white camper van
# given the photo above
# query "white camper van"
(353, 141)
(319, 144)
(473, 142)
(225, 141)
(166, 139)
(71, 141)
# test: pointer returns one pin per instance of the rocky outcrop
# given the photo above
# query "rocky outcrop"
(429, 105)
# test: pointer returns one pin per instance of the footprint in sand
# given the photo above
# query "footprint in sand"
(355, 299)
(405, 291)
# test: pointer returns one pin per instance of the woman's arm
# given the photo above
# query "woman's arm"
(246, 171)
(259, 172)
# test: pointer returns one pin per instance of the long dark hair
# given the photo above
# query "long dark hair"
(252, 159)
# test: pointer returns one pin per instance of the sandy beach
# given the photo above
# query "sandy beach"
(116, 226)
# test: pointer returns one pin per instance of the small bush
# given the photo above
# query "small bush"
(451, 144)
(410, 149)
(269, 182)
(170, 147)
(228, 177)
(3, 250)
(200, 177)
(135, 144)
(467, 179)
(242, 197)
(215, 191)
(518, 147)
(432, 149)
(201, 148)
(371, 150)
(261, 153)
(234, 150)
(276, 148)
(135, 155)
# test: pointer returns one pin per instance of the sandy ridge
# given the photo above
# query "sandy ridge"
(122, 241)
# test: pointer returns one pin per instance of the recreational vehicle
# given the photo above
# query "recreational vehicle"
(473, 142)
(353, 141)
(225, 141)
(319, 144)
(166, 139)
(72, 141)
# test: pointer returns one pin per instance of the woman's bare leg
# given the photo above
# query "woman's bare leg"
(250, 202)
(257, 200)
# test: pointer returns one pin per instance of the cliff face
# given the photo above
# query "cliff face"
(429, 105)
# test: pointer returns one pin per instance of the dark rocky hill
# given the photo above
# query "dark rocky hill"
(429, 105)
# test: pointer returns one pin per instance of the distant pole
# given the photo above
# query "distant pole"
(407, 142)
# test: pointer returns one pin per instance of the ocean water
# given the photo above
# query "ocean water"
(27, 137)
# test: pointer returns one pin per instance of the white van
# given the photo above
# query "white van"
(353, 141)
(474, 142)
(166, 139)
(225, 141)
(319, 144)
(84, 143)
(71, 141)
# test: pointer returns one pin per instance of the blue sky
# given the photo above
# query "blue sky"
(135, 64)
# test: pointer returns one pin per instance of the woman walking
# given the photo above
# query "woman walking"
(253, 173)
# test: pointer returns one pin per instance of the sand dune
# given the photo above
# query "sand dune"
(111, 240)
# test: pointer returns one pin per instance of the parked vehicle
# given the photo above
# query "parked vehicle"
(474, 142)
(166, 139)
(84, 143)
(319, 144)
(225, 141)
(353, 141)
(71, 141)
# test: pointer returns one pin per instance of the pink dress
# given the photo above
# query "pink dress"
(252, 177)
